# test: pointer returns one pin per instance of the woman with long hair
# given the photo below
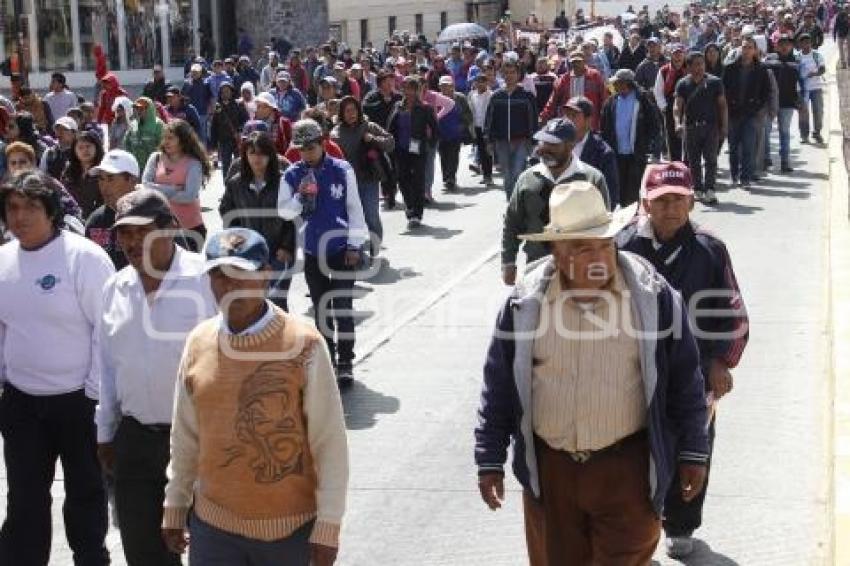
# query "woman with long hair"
(250, 201)
(363, 142)
(22, 128)
(179, 169)
(86, 152)
(713, 60)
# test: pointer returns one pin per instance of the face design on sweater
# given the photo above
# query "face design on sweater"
(269, 440)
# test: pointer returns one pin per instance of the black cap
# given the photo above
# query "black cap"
(141, 207)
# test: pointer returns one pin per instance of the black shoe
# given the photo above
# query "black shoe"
(768, 162)
(389, 204)
(787, 168)
(804, 140)
(475, 168)
(818, 138)
(344, 376)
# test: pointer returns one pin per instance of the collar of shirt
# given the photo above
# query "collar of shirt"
(555, 290)
(575, 166)
(644, 230)
(255, 328)
(579, 147)
(257, 186)
(181, 266)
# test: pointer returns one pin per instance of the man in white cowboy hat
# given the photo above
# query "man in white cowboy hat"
(593, 376)
(697, 264)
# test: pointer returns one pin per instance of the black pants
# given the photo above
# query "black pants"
(682, 519)
(36, 431)
(141, 457)
(410, 169)
(449, 159)
(484, 157)
(331, 288)
(702, 145)
(630, 170)
(389, 183)
(674, 142)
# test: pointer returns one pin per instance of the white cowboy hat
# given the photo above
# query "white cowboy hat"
(577, 212)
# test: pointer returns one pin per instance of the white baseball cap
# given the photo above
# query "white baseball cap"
(115, 162)
(266, 98)
(68, 123)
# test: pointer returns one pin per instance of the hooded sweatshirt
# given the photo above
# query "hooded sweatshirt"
(250, 105)
(118, 129)
(228, 119)
(112, 90)
(144, 136)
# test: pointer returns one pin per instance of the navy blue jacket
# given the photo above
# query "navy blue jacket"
(702, 272)
(669, 360)
(199, 94)
(511, 116)
(599, 155)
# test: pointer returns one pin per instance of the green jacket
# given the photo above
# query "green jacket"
(143, 137)
(528, 209)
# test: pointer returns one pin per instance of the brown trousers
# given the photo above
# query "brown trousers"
(597, 513)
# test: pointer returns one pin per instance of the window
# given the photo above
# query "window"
(55, 44)
(444, 20)
(181, 27)
(391, 25)
(364, 32)
(98, 25)
(419, 25)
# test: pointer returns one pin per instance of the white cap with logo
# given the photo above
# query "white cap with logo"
(115, 162)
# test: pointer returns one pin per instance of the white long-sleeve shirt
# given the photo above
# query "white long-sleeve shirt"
(51, 299)
(479, 101)
(141, 340)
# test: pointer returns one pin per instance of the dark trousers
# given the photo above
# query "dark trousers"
(630, 170)
(681, 519)
(214, 547)
(598, 512)
(742, 147)
(485, 159)
(674, 142)
(389, 183)
(702, 143)
(280, 283)
(449, 159)
(410, 171)
(38, 430)
(226, 152)
(331, 288)
(141, 457)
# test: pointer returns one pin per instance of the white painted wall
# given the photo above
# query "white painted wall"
(348, 14)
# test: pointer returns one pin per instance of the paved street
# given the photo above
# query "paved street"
(427, 316)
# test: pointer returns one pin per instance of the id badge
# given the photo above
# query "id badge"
(414, 147)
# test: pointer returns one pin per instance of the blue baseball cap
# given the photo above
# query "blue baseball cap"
(242, 248)
(559, 130)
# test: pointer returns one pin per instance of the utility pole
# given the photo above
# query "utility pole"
(18, 30)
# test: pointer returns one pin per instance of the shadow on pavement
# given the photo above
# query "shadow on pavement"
(768, 191)
(447, 205)
(704, 556)
(801, 173)
(363, 405)
(436, 232)
(473, 191)
(733, 207)
(388, 275)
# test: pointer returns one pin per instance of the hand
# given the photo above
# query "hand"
(492, 488)
(692, 480)
(175, 540)
(367, 137)
(321, 555)
(509, 274)
(680, 129)
(352, 258)
(106, 456)
(719, 379)
(283, 256)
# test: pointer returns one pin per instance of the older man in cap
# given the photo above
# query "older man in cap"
(629, 126)
(600, 417)
(259, 456)
(148, 310)
(582, 80)
(528, 208)
(697, 264)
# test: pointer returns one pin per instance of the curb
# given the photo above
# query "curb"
(838, 327)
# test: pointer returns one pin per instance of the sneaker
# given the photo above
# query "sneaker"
(344, 376)
(699, 195)
(413, 223)
(817, 138)
(449, 186)
(768, 162)
(804, 140)
(488, 181)
(787, 168)
(679, 547)
(709, 197)
(746, 185)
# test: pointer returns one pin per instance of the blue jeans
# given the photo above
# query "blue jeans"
(511, 157)
(742, 142)
(816, 113)
(370, 200)
(213, 547)
(768, 127)
(784, 121)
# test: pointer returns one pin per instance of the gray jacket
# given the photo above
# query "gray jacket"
(528, 209)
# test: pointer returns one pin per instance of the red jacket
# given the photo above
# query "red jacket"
(110, 92)
(594, 89)
(293, 155)
(299, 78)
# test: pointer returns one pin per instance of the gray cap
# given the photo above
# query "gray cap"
(305, 132)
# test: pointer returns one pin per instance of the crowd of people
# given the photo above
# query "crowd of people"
(105, 239)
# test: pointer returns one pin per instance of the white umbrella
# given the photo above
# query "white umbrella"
(628, 16)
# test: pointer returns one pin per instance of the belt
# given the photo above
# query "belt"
(156, 428)
(584, 456)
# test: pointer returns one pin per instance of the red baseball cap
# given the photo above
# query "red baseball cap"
(665, 178)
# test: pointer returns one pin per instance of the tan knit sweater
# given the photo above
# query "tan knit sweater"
(258, 442)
